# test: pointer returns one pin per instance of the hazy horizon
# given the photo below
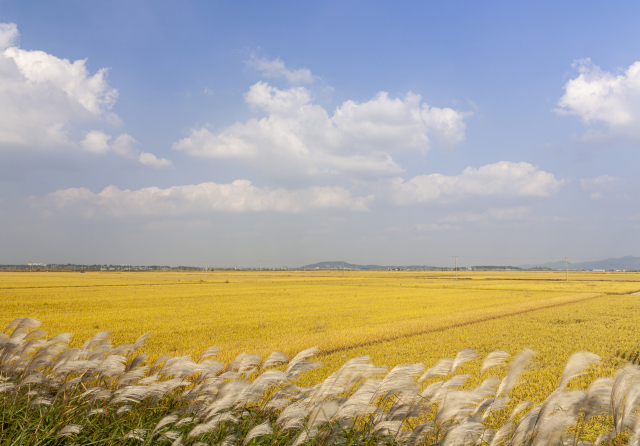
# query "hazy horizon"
(395, 134)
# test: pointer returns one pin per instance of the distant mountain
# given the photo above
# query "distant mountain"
(338, 265)
(620, 263)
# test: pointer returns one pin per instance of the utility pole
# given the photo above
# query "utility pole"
(566, 265)
(343, 268)
(456, 257)
(206, 266)
(260, 268)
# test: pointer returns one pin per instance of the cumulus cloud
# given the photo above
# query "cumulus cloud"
(504, 179)
(277, 69)
(48, 102)
(149, 159)
(300, 137)
(124, 145)
(43, 97)
(602, 97)
(196, 199)
(602, 186)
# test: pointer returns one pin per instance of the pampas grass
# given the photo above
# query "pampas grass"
(101, 395)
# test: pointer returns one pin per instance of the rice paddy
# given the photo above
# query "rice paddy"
(395, 318)
(285, 311)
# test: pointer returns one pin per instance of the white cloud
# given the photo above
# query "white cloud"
(149, 159)
(604, 183)
(8, 35)
(196, 199)
(96, 141)
(299, 137)
(601, 97)
(504, 178)
(44, 98)
(124, 145)
(276, 68)
(47, 103)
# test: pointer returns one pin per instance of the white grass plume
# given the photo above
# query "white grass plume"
(465, 434)
(494, 359)
(524, 430)
(211, 351)
(303, 355)
(442, 367)
(258, 431)
(576, 366)
(599, 398)
(68, 430)
(137, 434)
(140, 341)
(516, 367)
(462, 357)
(275, 358)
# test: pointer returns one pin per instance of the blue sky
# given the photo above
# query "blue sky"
(294, 132)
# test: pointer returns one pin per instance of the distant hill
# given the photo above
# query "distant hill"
(620, 263)
(338, 265)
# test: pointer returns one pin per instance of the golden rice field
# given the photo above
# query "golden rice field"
(395, 317)
(411, 318)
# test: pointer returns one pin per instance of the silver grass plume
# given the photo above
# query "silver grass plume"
(387, 428)
(293, 415)
(157, 363)
(464, 434)
(624, 380)
(462, 357)
(599, 398)
(234, 365)
(400, 378)
(351, 373)
(212, 424)
(169, 419)
(137, 434)
(21, 325)
(184, 420)
(275, 358)
(96, 340)
(577, 365)
(249, 362)
(516, 367)
(629, 407)
(211, 351)
(229, 440)
(258, 431)
(68, 430)
(299, 363)
(558, 412)
(136, 362)
(442, 367)
(494, 359)
(322, 414)
(524, 430)
(140, 341)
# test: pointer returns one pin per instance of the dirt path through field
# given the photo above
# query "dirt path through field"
(365, 336)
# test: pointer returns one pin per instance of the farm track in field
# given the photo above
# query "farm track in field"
(470, 319)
